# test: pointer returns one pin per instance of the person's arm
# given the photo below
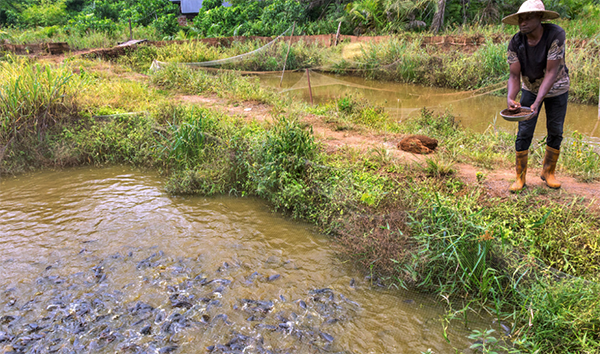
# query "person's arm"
(514, 85)
(549, 80)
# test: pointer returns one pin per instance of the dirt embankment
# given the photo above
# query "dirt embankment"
(458, 42)
(466, 43)
(496, 182)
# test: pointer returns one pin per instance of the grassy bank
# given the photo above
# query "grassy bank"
(403, 59)
(77, 39)
(530, 261)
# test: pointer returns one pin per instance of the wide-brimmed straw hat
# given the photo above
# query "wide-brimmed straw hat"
(530, 6)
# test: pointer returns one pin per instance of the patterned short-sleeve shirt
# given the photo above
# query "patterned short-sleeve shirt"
(534, 59)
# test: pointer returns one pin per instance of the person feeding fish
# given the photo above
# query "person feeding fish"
(537, 55)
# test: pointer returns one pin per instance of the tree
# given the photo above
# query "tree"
(13, 5)
(438, 18)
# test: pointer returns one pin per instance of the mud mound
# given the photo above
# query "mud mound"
(418, 144)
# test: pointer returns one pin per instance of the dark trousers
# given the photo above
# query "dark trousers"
(556, 110)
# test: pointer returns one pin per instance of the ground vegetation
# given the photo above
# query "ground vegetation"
(57, 20)
(411, 59)
(529, 261)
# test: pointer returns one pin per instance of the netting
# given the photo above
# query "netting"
(318, 80)
(156, 65)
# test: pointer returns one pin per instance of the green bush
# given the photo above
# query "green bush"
(85, 22)
(278, 170)
(45, 13)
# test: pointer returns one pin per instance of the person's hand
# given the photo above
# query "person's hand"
(534, 107)
(512, 104)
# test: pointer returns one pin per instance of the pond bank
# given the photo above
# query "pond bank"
(416, 224)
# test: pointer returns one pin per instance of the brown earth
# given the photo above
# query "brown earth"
(465, 43)
(495, 182)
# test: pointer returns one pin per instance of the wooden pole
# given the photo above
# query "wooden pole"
(309, 88)
(598, 121)
(337, 34)
(288, 53)
(130, 32)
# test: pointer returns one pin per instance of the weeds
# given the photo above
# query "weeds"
(224, 84)
(514, 258)
(581, 158)
(31, 96)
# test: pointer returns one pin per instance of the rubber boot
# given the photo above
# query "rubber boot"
(521, 167)
(549, 167)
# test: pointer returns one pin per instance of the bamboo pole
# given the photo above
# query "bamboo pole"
(130, 31)
(288, 53)
(309, 88)
(337, 34)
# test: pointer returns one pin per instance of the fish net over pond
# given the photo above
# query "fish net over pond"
(156, 65)
(316, 79)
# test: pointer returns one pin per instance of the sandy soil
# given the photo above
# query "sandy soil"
(496, 181)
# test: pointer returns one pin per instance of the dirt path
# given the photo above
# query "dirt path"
(496, 181)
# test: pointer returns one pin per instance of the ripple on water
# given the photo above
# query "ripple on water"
(102, 260)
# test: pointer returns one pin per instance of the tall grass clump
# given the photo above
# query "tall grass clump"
(583, 66)
(563, 317)
(224, 84)
(397, 59)
(408, 61)
(580, 158)
(458, 254)
(518, 260)
(113, 138)
(202, 152)
(563, 236)
(34, 98)
(279, 164)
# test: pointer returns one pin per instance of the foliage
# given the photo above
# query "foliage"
(515, 258)
(581, 158)
(272, 17)
(484, 341)
(569, 307)
(279, 169)
(33, 99)
(45, 13)
(86, 22)
(224, 84)
(264, 18)
(119, 138)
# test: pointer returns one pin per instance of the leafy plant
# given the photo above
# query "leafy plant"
(44, 13)
(484, 341)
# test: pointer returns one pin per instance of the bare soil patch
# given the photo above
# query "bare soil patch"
(495, 182)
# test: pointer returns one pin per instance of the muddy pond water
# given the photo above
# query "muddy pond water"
(473, 109)
(103, 261)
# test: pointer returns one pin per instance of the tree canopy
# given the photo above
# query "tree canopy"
(272, 17)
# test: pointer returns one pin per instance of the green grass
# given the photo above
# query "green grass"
(398, 59)
(531, 258)
(75, 39)
(35, 99)
(225, 84)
